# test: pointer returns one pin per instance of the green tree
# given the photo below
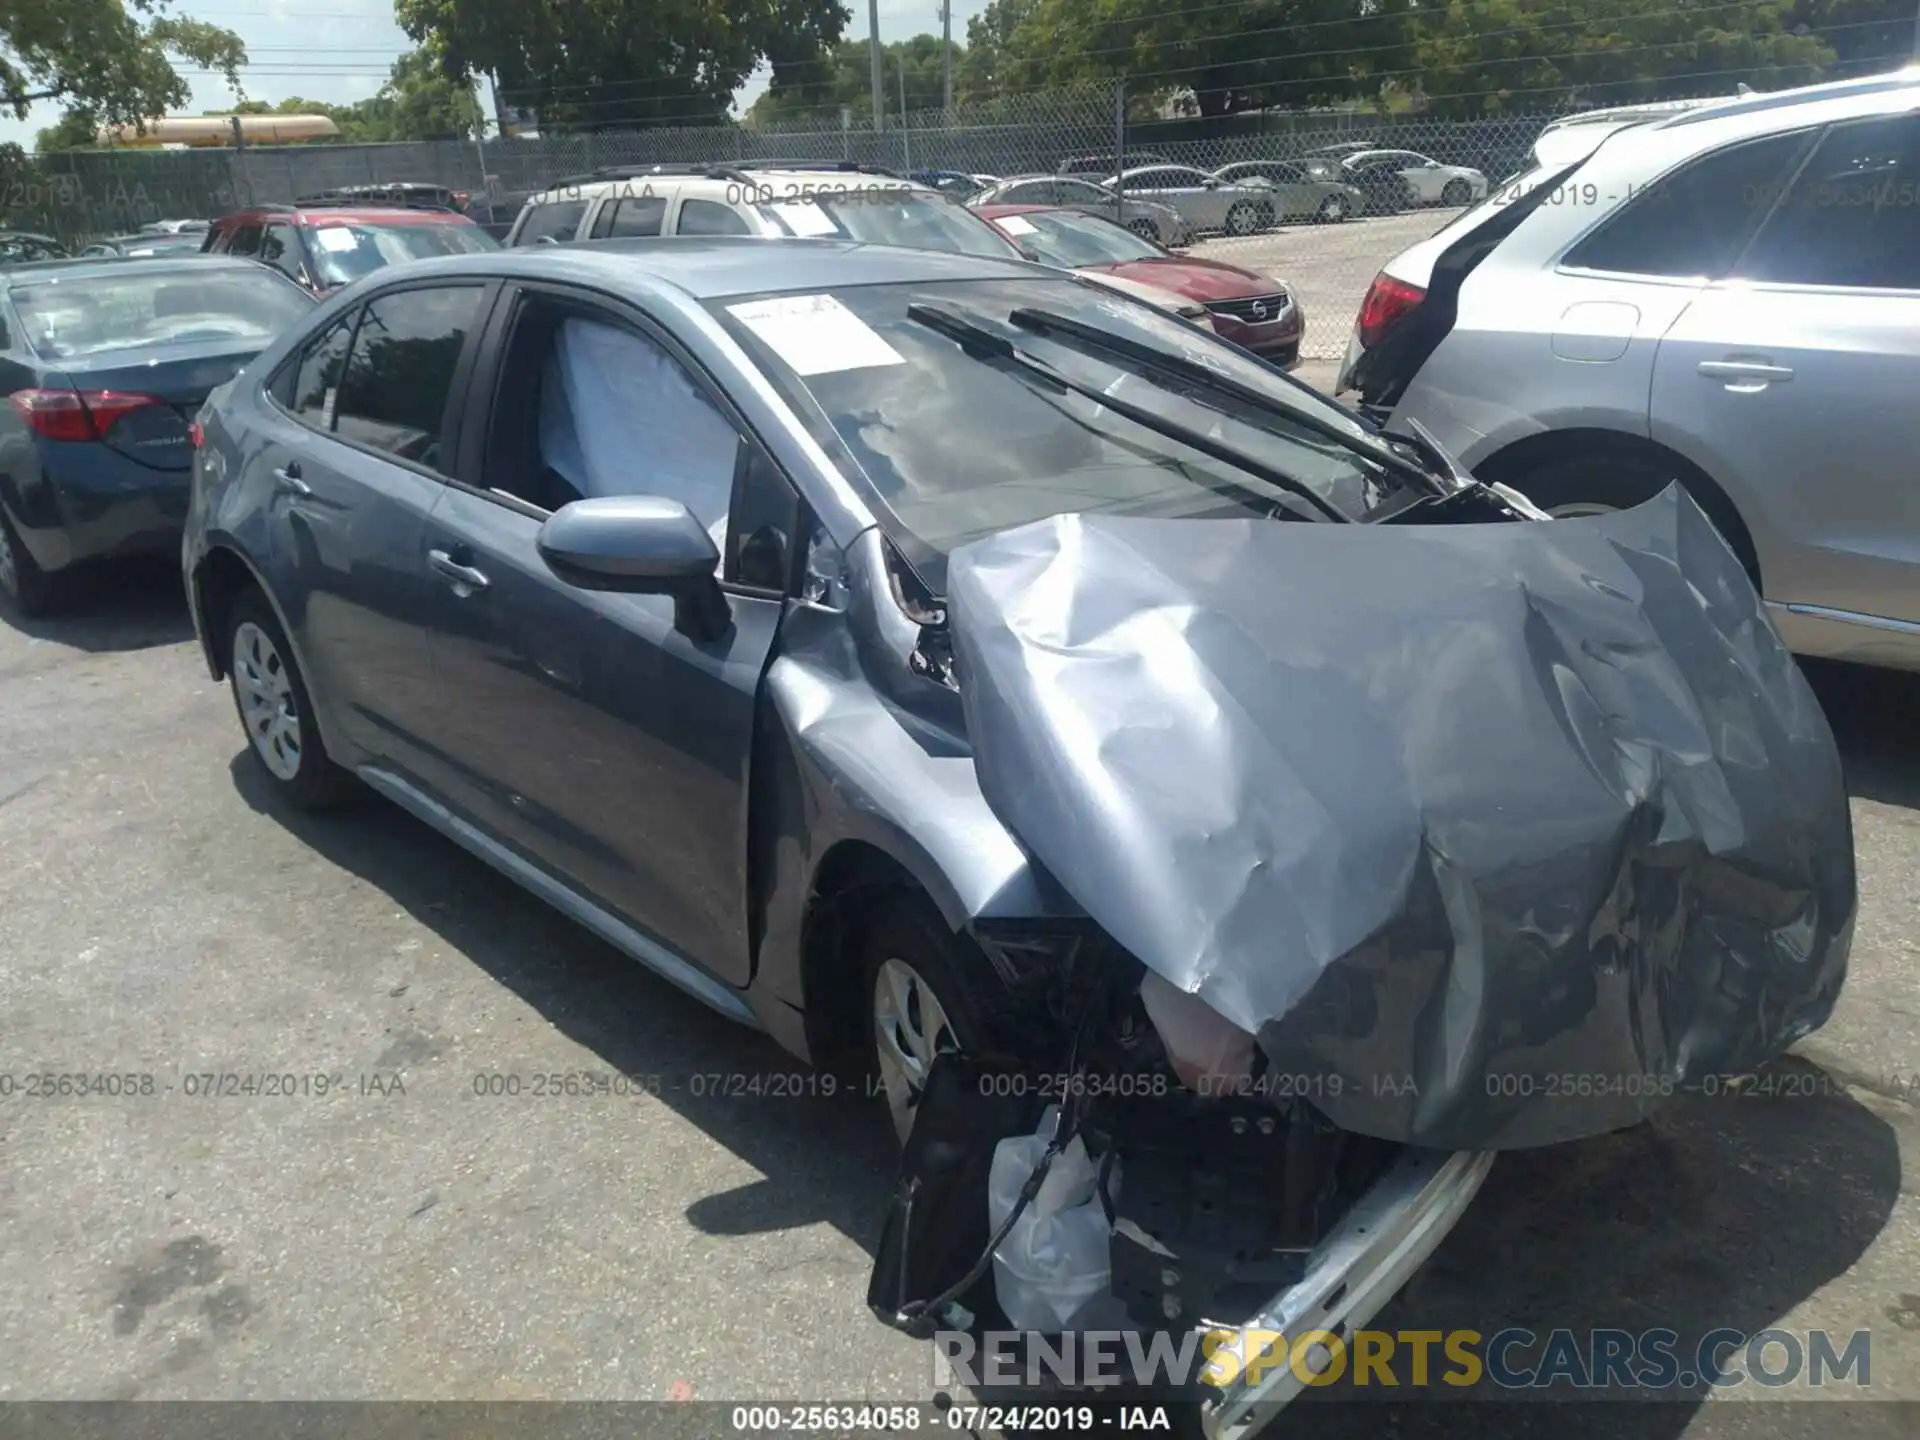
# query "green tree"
(844, 76)
(108, 59)
(75, 130)
(1499, 56)
(604, 64)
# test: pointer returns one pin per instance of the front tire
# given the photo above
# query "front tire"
(928, 991)
(1332, 210)
(31, 591)
(1242, 219)
(275, 709)
(1457, 193)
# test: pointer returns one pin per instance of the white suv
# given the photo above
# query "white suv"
(828, 201)
(1729, 297)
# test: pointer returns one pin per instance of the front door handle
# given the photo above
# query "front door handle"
(1744, 370)
(460, 575)
(287, 478)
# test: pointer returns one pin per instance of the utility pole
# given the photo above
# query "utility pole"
(946, 56)
(906, 155)
(879, 69)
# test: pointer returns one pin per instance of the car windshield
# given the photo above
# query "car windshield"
(64, 318)
(954, 445)
(888, 216)
(1071, 240)
(345, 250)
(136, 245)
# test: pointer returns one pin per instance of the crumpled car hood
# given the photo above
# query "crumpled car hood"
(1495, 835)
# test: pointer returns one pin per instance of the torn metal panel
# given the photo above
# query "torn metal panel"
(1494, 834)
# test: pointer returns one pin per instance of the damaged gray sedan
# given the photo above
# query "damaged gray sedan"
(1165, 783)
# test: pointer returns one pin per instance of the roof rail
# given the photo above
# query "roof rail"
(392, 198)
(703, 169)
(849, 167)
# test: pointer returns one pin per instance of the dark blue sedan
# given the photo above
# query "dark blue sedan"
(103, 365)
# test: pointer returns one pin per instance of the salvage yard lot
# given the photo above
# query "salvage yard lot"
(421, 1240)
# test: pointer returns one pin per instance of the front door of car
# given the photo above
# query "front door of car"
(604, 744)
(355, 462)
(1797, 382)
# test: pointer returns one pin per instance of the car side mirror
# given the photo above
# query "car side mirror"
(640, 545)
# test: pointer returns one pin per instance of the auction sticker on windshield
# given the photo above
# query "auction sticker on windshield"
(815, 334)
(1016, 225)
(337, 238)
(804, 218)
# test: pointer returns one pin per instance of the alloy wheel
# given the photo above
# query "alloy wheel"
(1334, 208)
(910, 1028)
(267, 706)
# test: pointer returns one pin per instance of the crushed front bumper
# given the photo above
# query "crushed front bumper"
(1361, 1264)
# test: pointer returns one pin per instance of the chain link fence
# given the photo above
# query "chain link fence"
(1096, 129)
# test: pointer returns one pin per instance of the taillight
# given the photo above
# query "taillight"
(76, 414)
(1388, 302)
(196, 434)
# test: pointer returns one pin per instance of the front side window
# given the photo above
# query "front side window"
(345, 250)
(1851, 217)
(1697, 220)
(886, 394)
(86, 316)
(393, 394)
(281, 250)
(246, 241)
(914, 219)
(557, 220)
(706, 217)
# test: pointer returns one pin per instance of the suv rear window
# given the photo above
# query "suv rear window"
(1698, 219)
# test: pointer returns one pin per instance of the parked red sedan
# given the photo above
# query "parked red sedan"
(1249, 309)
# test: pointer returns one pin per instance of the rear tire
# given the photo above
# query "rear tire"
(1332, 210)
(926, 991)
(276, 710)
(1242, 219)
(31, 591)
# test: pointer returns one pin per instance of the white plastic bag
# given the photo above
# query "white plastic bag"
(1055, 1259)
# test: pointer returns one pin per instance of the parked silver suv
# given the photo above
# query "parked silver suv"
(1728, 297)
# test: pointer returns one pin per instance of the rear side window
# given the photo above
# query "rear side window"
(1697, 220)
(1851, 217)
(316, 382)
(393, 395)
(704, 217)
(636, 215)
(246, 241)
(557, 220)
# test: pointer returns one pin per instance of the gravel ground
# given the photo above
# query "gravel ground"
(407, 1237)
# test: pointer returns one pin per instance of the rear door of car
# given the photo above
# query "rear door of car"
(355, 455)
(633, 212)
(1795, 379)
(602, 743)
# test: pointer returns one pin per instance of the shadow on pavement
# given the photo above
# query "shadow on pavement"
(134, 605)
(825, 1158)
(1875, 715)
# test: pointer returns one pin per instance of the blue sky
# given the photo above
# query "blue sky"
(339, 50)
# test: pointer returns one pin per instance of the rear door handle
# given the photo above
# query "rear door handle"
(1744, 370)
(459, 574)
(287, 478)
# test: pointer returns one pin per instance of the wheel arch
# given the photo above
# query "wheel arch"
(851, 879)
(1513, 460)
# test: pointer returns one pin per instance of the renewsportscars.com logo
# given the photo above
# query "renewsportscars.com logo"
(1588, 1361)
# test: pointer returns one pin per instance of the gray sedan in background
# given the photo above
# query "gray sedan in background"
(1146, 218)
(1204, 202)
(1299, 189)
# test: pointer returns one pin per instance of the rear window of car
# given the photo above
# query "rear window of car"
(886, 395)
(84, 316)
(344, 250)
(888, 216)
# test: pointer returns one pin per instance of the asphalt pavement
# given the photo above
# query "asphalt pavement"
(430, 1227)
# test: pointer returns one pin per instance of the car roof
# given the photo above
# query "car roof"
(384, 214)
(988, 212)
(715, 267)
(812, 180)
(1862, 87)
(119, 265)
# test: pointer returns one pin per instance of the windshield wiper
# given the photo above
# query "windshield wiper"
(1092, 336)
(977, 340)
